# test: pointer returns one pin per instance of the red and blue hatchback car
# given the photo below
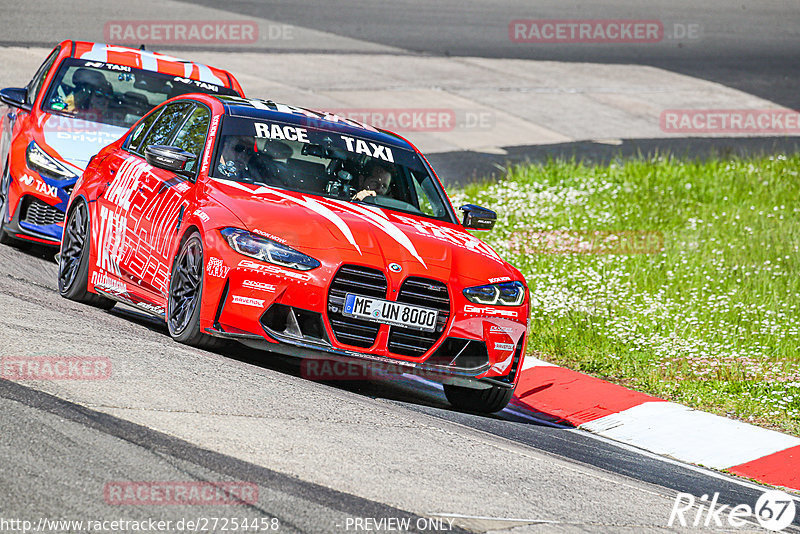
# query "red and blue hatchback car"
(83, 97)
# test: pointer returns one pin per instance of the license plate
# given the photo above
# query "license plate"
(393, 313)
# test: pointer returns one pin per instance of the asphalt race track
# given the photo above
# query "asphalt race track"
(339, 456)
(319, 453)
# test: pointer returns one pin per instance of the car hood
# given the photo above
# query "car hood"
(77, 140)
(336, 231)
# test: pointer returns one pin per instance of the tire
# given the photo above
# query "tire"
(186, 295)
(73, 261)
(489, 400)
(5, 183)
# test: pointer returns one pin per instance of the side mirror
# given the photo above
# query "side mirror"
(478, 218)
(170, 158)
(15, 97)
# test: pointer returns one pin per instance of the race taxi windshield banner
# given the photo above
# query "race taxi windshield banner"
(326, 143)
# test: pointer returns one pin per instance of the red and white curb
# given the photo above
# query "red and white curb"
(659, 426)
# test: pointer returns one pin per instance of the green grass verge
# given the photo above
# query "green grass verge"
(672, 277)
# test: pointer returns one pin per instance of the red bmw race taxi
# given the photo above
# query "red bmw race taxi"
(300, 233)
(83, 97)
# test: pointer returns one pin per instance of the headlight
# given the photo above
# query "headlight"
(505, 294)
(267, 250)
(41, 161)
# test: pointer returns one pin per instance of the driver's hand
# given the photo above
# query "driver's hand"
(70, 102)
(361, 195)
(228, 169)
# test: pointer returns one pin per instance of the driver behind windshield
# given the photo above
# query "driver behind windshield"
(375, 180)
(91, 95)
(236, 153)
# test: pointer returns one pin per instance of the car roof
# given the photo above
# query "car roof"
(267, 109)
(152, 61)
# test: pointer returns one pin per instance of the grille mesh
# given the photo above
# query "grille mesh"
(360, 281)
(37, 212)
(420, 292)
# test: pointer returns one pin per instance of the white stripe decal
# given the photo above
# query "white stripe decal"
(162, 57)
(205, 74)
(690, 435)
(258, 104)
(237, 185)
(319, 209)
(99, 52)
(374, 216)
(149, 62)
(379, 219)
(335, 219)
(374, 209)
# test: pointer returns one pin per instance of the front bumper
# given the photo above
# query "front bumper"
(289, 312)
(23, 223)
(371, 364)
(37, 206)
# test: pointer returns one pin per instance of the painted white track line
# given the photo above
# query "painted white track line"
(692, 436)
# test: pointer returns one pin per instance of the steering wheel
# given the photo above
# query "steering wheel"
(264, 171)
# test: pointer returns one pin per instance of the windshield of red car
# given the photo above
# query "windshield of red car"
(116, 94)
(328, 163)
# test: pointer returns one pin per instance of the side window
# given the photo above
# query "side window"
(138, 134)
(168, 122)
(35, 84)
(427, 195)
(192, 137)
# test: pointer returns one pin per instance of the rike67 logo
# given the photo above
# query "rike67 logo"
(774, 510)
